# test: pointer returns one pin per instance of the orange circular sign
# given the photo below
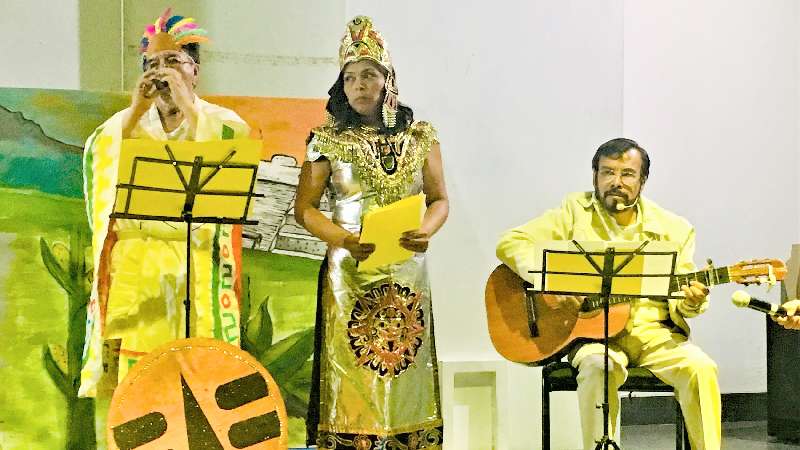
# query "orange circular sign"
(194, 394)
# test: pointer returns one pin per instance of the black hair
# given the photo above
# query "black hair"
(345, 116)
(615, 148)
(192, 49)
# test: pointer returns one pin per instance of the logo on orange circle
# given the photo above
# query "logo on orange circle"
(194, 394)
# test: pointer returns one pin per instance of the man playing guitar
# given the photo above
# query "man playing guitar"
(656, 334)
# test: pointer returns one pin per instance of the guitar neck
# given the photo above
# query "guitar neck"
(709, 278)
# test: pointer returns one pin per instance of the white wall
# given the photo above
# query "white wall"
(711, 91)
(39, 47)
(263, 48)
(796, 39)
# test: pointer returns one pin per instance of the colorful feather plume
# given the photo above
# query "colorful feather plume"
(184, 30)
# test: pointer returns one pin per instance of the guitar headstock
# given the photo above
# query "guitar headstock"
(757, 271)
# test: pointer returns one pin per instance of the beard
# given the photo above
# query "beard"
(610, 199)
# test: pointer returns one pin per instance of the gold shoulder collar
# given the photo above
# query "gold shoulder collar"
(387, 165)
(335, 145)
(424, 132)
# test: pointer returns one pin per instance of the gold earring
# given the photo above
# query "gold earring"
(390, 103)
(389, 116)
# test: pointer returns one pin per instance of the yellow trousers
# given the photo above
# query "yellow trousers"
(672, 359)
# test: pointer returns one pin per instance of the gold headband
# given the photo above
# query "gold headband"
(362, 41)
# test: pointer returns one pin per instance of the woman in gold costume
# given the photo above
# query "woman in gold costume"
(375, 375)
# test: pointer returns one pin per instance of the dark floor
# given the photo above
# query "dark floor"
(735, 436)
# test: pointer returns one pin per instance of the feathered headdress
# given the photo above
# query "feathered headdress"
(171, 33)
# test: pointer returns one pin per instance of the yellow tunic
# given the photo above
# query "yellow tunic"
(140, 266)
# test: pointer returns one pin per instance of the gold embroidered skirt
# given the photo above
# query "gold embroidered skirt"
(378, 374)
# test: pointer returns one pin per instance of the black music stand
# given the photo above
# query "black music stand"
(200, 173)
(610, 270)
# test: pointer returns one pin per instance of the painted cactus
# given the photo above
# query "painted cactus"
(67, 265)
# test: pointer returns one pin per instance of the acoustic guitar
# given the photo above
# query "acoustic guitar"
(534, 328)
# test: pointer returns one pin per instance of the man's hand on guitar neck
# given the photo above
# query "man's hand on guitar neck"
(696, 294)
(792, 319)
(569, 302)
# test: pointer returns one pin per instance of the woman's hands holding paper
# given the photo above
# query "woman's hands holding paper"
(415, 240)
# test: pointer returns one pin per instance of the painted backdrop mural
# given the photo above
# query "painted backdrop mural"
(44, 272)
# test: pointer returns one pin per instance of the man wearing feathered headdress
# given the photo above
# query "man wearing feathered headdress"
(139, 266)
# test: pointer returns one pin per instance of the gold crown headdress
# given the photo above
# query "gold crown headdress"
(171, 33)
(361, 41)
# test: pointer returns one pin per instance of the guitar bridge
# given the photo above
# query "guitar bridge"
(530, 308)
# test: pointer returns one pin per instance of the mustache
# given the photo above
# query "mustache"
(616, 192)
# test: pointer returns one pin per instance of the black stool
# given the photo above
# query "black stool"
(561, 376)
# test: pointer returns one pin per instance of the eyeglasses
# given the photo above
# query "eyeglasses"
(173, 60)
(626, 175)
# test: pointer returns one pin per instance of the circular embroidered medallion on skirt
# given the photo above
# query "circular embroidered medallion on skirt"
(385, 328)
